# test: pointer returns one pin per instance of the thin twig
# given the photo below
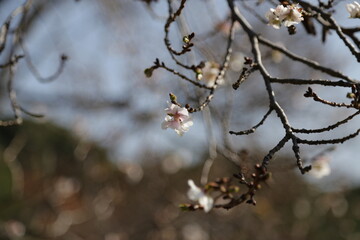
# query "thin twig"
(253, 129)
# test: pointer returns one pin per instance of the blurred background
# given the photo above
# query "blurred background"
(98, 165)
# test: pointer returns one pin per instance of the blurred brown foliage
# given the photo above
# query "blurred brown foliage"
(57, 186)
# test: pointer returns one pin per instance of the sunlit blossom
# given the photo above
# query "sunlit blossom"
(353, 9)
(196, 194)
(288, 16)
(293, 17)
(273, 19)
(177, 118)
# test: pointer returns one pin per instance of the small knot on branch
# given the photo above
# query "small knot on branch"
(305, 169)
(309, 93)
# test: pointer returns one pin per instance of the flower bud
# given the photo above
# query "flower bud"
(148, 72)
(350, 95)
(172, 97)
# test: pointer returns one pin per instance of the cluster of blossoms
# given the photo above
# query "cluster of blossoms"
(287, 15)
(177, 118)
(196, 194)
(353, 9)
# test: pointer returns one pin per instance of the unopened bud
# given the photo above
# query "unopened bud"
(185, 207)
(148, 72)
(223, 189)
(234, 189)
(172, 97)
(211, 185)
(350, 95)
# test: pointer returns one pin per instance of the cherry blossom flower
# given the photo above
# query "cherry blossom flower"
(353, 9)
(209, 74)
(293, 17)
(288, 16)
(320, 167)
(196, 194)
(275, 16)
(177, 118)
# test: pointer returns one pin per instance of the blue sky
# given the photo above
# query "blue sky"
(109, 46)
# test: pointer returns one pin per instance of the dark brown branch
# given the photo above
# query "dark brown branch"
(253, 129)
(172, 17)
(272, 152)
(253, 37)
(308, 62)
(329, 128)
(13, 60)
(243, 76)
(322, 82)
(196, 83)
(299, 162)
(334, 25)
(330, 141)
(35, 115)
(222, 71)
(260, 175)
(311, 94)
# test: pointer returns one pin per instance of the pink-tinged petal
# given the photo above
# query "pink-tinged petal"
(177, 118)
(183, 112)
(174, 125)
(172, 109)
(183, 119)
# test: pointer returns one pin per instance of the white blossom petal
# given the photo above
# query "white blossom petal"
(206, 202)
(281, 12)
(209, 74)
(183, 112)
(353, 9)
(196, 194)
(273, 19)
(288, 16)
(320, 167)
